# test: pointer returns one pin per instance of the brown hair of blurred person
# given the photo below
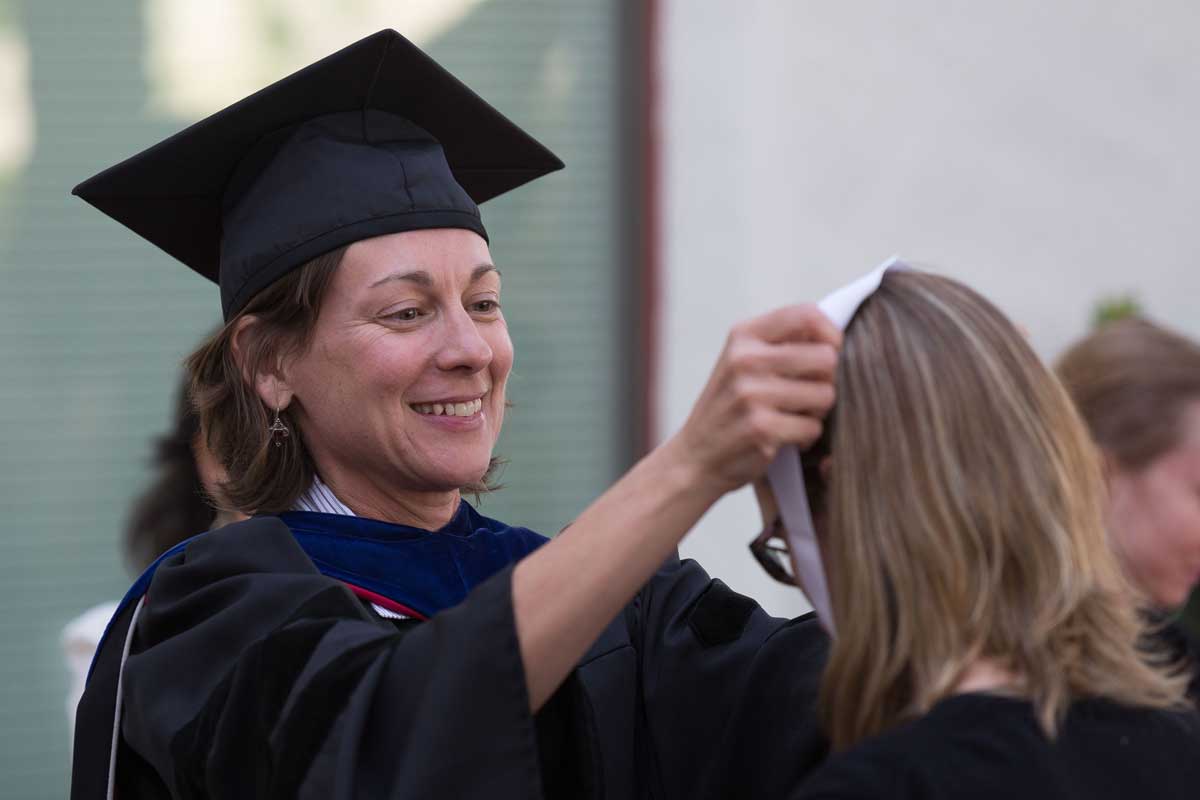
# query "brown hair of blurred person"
(182, 499)
(1137, 385)
(963, 523)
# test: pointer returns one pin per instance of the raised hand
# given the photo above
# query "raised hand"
(771, 386)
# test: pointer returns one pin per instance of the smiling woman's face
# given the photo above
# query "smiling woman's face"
(402, 388)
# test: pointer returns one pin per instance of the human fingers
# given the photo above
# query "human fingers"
(815, 360)
(789, 395)
(768, 430)
(803, 322)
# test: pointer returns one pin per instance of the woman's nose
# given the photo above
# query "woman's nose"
(463, 347)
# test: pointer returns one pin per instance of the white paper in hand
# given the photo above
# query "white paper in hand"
(786, 476)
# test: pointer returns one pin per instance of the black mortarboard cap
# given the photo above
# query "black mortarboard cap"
(374, 139)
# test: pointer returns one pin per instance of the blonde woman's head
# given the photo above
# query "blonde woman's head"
(963, 520)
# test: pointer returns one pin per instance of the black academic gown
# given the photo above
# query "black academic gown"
(251, 674)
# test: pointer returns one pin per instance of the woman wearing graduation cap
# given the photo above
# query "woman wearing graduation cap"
(368, 633)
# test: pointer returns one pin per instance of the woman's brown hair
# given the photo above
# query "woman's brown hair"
(1132, 381)
(965, 505)
(265, 475)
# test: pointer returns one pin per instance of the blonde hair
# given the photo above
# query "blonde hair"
(965, 516)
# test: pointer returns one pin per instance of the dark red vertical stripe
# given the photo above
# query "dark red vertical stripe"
(651, 255)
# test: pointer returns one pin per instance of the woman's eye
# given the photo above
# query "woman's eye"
(405, 315)
(486, 306)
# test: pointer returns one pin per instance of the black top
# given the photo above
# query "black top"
(1184, 650)
(987, 747)
(252, 674)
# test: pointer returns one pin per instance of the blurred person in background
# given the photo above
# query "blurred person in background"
(186, 492)
(1137, 386)
(183, 499)
(987, 643)
(368, 633)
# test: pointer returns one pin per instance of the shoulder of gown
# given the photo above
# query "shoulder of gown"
(728, 692)
(251, 674)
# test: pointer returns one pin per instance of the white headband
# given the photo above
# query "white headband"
(786, 476)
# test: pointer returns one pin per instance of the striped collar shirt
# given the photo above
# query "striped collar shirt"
(321, 499)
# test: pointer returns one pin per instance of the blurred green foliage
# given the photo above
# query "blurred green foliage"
(1111, 309)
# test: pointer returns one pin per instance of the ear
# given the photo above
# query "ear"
(826, 468)
(269, 380)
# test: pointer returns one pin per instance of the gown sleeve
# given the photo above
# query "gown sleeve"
(729, 692)
(253, 675)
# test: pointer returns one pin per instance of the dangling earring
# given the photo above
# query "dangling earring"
(278, 430)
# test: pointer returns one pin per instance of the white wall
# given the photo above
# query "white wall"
(1048, 154)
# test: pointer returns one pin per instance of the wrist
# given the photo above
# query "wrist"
(683, 475)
